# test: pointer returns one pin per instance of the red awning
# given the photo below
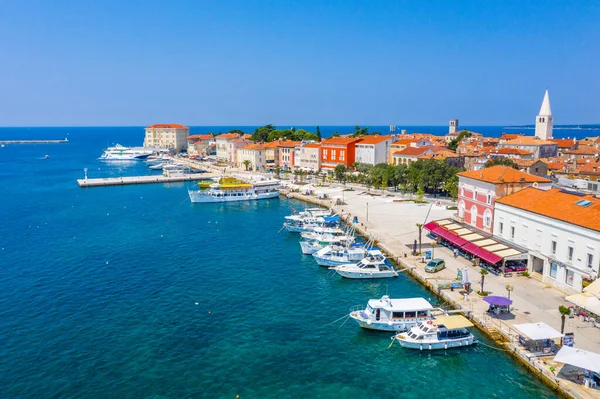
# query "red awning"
(481, 253)
(430, 226)
(448, 236)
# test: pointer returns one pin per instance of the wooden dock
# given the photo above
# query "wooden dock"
(9, 142)
(126, 180)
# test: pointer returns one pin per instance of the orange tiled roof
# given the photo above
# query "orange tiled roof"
(509, 151)
(564, 143)
(167, 126)
(557, 204)
(313, 145)
(525, 163)
(412, 151)
(374, 139)
(502, 174)
(507, 136)
(227, 136)
(528, 140)
(583, 151)
(202, 137)
(341, 140)
(257, 147)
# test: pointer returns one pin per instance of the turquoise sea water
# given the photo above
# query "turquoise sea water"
(98, 293)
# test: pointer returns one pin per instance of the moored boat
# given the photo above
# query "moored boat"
(122, 153)
(232, 191)
(335, 255)
(294, 224)
(443, 332)
(387, 314)
(372, 266)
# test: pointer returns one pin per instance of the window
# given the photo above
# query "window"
(570, 254)
(501, 227)
(487, 219)
(333, 154)
(512, 231)
(489, 198)
(569, 277)
(324, 153)
(590, 260)
(553, 247)
(553, 269)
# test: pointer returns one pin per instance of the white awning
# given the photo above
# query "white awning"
(443, 222)
(537, 331)
(579, 358)
(472, 237)
(452, 226)
(485, 242)
(462, 232)
(586, 301)
(593, 288)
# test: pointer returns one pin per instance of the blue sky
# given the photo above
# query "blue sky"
(79, 63)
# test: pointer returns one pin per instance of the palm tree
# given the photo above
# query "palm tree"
(420, 227)
(246, 163)
(564, 312)
(483, 273)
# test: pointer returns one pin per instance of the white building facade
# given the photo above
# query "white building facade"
(561, 254)
(255, 154)
(373, 150)
(172, 136)
(308, 157)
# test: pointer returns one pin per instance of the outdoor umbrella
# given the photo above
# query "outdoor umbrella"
(579, 358)
(497, 300)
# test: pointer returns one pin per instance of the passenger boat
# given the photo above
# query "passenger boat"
(443, 332)
(335, 255)
(372, 266)
(295, 224)
(387, 314)
(122, 153)
(228, 190)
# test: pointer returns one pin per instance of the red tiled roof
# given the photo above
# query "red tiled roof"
(564, 143)
(412, 151)
(202, 137)
(313, 145)
(374, 139)
(227, 136)
(557, 204)
(528, 140)
(167, 126)
(502, 174)
(509, 151)
(257, 147)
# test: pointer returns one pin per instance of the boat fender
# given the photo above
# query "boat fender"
(446, 346)
(429, 346)
(369, 322)
(421, 347)
(390, 323)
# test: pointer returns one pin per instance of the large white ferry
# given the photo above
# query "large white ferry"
(122, 153)
(232, 190)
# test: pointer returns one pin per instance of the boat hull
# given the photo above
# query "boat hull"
(400, 326)
(366, 275)
(309, 249)
(446, 344)
(197, 197)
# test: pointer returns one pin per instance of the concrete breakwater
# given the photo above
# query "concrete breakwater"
(9, 142)
(502, 333)
(123, 181)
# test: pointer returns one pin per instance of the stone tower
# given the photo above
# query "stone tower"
(544, 121)
(453, 126)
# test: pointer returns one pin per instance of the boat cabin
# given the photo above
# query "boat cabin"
(384, 309)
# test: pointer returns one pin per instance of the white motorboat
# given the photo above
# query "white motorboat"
(335, 255)
(443, 332)
(309, 247)
(322, 233)
(372, 266)
(122, 153)
(393, 314)
(236, 191)
(294, 224)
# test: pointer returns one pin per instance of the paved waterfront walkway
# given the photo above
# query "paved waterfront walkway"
(393, 223)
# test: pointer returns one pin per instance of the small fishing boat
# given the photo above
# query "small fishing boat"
(335, 255)
(372, 266)
(322, 233)
(294, 224)
(387, 314)
(310, 247)
(443, 332)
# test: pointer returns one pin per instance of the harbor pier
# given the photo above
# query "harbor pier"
(128, 180)
(10, 142)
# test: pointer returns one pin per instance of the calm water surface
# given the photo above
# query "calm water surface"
(134, 292)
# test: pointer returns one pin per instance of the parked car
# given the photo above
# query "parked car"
(435, 265)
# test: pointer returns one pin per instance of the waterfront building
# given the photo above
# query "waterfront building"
(544, 121)
(309, 157)
(232, 149)
(479, 190)
(253, 153)
(201, 144)
(410, 155)
(222, 144)
(403, 142)
(286, 153)
(373, 150)
(172, 136)
(338, 150)
(560, 229)
(538, 147)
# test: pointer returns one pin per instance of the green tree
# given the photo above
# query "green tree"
(277, 171)
(451, 186)
(420, 194)
(238, 131)
(453, 144)
(398, 175)
(246, 163)
(360, 131)
(262, 133)
(340, 172)
(483, 273)
(319, 138)
(505, 161)
(335, 134)
(564, 312)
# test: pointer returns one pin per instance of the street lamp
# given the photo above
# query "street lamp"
(367, 211)
(433, 244)
(509, 288)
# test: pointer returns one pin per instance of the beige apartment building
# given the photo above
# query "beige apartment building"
(173, 136)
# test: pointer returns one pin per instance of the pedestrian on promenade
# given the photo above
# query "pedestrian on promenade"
(455, 252)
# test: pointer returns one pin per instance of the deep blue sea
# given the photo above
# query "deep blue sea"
(134, 292)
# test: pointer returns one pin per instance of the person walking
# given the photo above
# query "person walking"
(455, 252)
